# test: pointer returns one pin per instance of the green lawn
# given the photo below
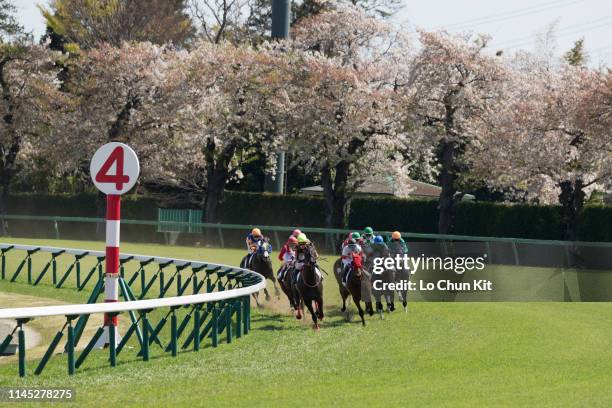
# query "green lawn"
(438, 354)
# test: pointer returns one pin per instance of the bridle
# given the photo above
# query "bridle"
(308, 263)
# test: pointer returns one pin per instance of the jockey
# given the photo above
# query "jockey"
(349, 253)
(378, 248)
(254, 237)
(368, 235)
(397, 244)
(287, 256)
(353, 235)
(303, 246)
(254, 241)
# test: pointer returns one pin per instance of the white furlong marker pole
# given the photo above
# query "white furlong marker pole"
(114, 170)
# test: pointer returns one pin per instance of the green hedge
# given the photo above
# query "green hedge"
(79, 205)
(596, 224)
(383, 213)
(272, 209)
(472, 218)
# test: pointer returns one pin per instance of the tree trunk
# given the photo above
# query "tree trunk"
(572, 200)
(3, 225)
(449, 149)
(217, 174)
(446, 203)
(214, 195)
(8, 170)
(337, 199)
(10, 154)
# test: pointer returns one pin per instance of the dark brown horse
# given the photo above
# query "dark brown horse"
(358, 286)
(309, 289)
(262, 264)
(286, 285)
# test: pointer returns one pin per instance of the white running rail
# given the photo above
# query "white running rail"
(81, 309)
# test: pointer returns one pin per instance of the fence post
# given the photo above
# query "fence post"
(173, 332)
(215, 326)
(278, 245)
(516, 254)
(112, 343)
(70, 345)
(21, 346)
(196, 328)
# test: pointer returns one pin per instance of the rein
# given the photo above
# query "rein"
(317, 281)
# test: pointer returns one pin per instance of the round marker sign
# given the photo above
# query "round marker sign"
(114, 168)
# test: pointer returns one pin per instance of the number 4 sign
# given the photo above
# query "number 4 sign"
(114, 168)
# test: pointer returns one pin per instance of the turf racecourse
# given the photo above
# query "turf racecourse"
(439, 354)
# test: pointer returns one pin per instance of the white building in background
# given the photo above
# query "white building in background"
(418, 190)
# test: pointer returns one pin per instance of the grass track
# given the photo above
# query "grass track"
(439, 354)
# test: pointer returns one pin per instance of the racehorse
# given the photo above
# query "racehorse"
(309, 290)
(401, 276)
(261, 264)
(287, 285)
(382, 281)
(358, 286)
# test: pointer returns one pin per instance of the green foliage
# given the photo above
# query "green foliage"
(382, 213)
(389, 213)
(8, 23)
(577, 55)
(272, 209)
(85, 23)
(596, 224)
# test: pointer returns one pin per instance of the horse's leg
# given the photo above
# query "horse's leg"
(256, 297)
(377, 295)
(287, 293)
(313, 314)
(346, 309)
(320, 308)
(359, 309)
(391, 292)
(369, 308)
(404, 294)
(267, 294)
(344, 294)
(276, 292)
(297, 300)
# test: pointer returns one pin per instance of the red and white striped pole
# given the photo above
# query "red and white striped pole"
(114, 170)
(111, 278)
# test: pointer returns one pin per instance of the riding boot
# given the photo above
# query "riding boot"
(281, 273)
(294, 276)
(345, 273)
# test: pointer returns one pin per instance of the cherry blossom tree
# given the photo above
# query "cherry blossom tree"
(121, 94)
(554, 139)
(232, 100)
(28, 104)
(345, 126)
(451, 88)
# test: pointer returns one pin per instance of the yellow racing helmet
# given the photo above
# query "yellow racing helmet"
(396, 235)
(256, 232)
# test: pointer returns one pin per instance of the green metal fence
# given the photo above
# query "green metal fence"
(179, 220)
(200, 301)
(522, 269)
